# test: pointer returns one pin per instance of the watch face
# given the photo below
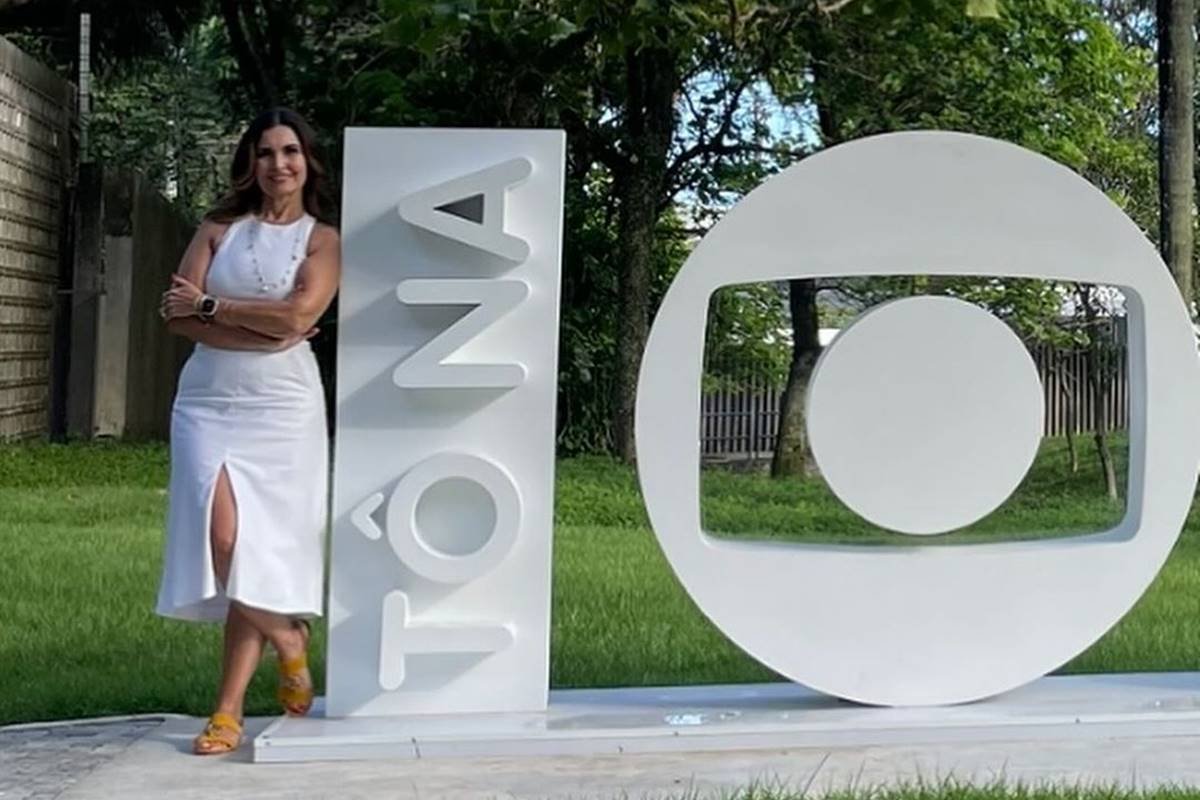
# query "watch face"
(208, 305)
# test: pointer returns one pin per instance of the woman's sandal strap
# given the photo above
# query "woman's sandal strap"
(222, 734)
(295, 692)
(222, 720)
(292, 666)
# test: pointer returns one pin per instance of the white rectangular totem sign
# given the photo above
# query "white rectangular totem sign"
(444, 479)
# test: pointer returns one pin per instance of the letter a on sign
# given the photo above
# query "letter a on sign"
(470, 209)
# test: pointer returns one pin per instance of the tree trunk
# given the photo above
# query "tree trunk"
(1099, 380)
(1072, 450)
(1069, 394)
(638, 184)
(1106, 464)
(792, 454)
(635, 227)
(1176, 158)
(252, 64)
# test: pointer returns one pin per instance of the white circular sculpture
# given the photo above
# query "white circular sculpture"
(923, 624)
(944, 427)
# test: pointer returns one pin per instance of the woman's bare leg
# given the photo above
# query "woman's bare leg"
(291, 642)
(243, 651)
(281, 631)
(223, 535)
(243, 641)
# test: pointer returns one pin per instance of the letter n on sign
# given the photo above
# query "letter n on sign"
(444, 461)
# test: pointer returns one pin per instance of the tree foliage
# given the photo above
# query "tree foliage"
(658, 100)
(1052, 76)
(121, 29)
(152, 114)
(673, 111)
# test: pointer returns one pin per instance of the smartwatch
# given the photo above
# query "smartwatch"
(206, 309)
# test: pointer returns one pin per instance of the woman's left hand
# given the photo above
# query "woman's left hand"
(180, 300)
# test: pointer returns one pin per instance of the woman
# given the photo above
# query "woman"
(249, 460)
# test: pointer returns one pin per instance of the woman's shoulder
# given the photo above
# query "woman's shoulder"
(324, 234)
(214, 230)
(210, 226)
(219, 225)
(211, 230)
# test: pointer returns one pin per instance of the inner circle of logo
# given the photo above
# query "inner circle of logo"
(896, 395)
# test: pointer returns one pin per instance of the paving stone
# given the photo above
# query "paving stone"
(41, 763)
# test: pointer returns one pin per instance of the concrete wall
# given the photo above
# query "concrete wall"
(124, 365)
(37, 119)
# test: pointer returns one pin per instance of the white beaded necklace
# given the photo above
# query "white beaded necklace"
(256, 233)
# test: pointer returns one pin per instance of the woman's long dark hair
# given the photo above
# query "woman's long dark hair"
(245, 196)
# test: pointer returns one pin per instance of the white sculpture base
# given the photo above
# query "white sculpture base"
(749, 716)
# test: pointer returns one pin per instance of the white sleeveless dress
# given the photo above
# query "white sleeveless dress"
(261, 416)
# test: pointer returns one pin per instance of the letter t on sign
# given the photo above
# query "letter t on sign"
(446, 385)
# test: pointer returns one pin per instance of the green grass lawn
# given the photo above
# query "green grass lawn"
(81, 542)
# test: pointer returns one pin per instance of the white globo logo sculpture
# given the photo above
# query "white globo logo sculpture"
(924, 624)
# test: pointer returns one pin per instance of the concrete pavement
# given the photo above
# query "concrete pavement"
(150, 758)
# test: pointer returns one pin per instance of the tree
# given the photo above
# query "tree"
(1100, 350)
(168, 116)
(792, 455)
(672, 109)
(1176, 80)
(121, 29)
(652, 61)
(654, 96)
(265, 39)
(1050, 76)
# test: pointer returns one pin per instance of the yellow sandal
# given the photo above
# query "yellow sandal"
(295, 693)
(222, 734)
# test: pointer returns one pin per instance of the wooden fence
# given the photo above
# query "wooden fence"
(37, 117)
(742, 423)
